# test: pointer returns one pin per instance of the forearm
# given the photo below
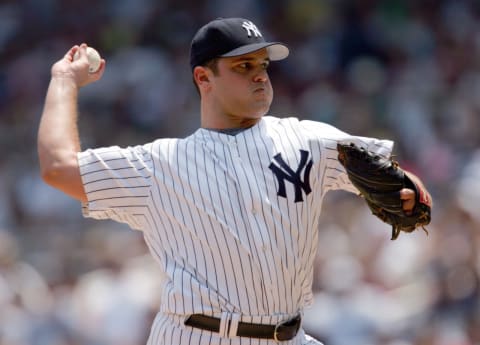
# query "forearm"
(58, 139)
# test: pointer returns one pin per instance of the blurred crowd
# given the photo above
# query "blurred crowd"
(407, 70)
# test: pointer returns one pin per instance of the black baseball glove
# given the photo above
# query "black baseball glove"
(380, 181)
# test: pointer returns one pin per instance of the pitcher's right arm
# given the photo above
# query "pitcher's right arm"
(58, 138)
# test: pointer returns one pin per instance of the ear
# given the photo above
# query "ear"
(201, 75)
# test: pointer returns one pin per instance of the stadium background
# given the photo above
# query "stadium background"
(405, 70)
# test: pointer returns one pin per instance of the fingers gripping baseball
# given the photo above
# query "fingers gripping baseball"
(76, 66)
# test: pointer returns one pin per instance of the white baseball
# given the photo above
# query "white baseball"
(93, 59)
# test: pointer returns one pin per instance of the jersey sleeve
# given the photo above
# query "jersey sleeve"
(333, 174)
(117, 183)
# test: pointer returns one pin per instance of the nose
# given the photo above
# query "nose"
(261, 76)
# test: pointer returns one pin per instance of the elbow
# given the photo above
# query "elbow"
(50, 174)
(47, 175)
(54, 164)
(64, 175)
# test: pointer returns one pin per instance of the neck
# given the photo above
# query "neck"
(221, 120)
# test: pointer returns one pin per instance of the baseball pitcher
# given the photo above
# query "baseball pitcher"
(230, 212)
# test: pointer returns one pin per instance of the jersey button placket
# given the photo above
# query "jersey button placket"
(234, 148)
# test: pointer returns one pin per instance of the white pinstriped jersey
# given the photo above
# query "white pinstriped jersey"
(232, 220)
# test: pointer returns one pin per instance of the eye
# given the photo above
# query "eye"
(245, 65)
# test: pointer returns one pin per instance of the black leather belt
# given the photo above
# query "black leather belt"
(283, 331)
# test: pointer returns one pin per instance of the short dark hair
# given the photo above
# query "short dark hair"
(211, 64)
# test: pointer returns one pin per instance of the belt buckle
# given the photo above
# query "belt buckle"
(284, 323)
(275, 332)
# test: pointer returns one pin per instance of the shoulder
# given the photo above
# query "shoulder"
(272, 120)
(281, 123)
(165, 147)
(323, 133)
(306, 127)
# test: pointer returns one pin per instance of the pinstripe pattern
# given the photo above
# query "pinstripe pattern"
(211, 216)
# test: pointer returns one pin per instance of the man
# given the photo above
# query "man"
(230, 212)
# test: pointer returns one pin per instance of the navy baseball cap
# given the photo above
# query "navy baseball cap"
(226, 37)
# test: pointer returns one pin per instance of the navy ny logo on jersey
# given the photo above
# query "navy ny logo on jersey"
(285, 173)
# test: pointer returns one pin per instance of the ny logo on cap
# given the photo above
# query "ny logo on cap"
(250, 27)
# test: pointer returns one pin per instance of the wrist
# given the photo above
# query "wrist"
(65, 81)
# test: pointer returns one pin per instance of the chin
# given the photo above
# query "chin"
(261, 108)
(255, 110)
(259, 113)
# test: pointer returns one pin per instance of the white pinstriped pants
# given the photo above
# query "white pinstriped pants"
(170, 330)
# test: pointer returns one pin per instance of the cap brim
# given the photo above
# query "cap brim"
(276, 51)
